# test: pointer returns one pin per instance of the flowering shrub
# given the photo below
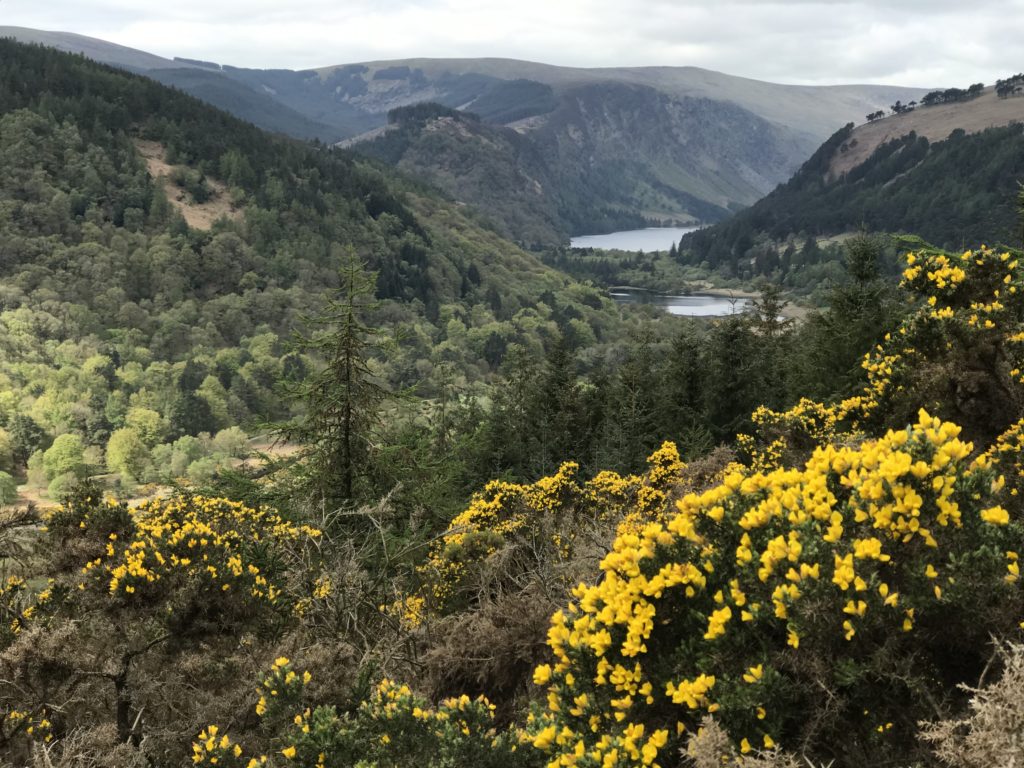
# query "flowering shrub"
(960, 355)
(25, 726)
(783, 436)
(12, 596)
(134, 594)
(766, 601)
(549, 514)
(213, 548)
(393, 727)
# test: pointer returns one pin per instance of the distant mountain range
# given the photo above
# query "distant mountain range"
(594, 149)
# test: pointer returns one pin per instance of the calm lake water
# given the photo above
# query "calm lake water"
(694, 305)
(651, 239)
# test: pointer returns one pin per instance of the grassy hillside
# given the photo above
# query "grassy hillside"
(935, 123)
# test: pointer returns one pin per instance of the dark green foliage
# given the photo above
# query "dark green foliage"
(1011, 86)
(342, 402)
(860, 312)
(27, 437)
(190, 415)
(951, 95)
(421, 113)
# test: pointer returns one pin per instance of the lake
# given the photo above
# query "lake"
(694, 305)
(650, 239)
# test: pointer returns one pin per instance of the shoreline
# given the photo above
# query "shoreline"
(723, 293)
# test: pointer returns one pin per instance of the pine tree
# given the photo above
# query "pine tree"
(683, 413)
(343, 400)
(554, 412)
(631, 428)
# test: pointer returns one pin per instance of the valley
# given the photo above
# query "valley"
(478, 412)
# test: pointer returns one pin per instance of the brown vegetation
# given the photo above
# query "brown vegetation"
(934, 123)
(198, 215)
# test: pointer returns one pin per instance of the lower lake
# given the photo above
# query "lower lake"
(692, 305)
(651, 239)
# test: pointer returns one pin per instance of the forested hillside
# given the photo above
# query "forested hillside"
(133, 338)
(955, 189)
(117, 314)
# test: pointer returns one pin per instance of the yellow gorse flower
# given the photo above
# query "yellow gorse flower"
(830, 528)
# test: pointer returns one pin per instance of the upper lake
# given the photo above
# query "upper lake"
(694, 305)
(650, 239)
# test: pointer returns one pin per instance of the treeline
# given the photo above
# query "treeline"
(931, 99)
(696, 387)
(952, 95)
(1011, 86)
(420, 113)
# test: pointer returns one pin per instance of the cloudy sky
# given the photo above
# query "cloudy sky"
(926, 43)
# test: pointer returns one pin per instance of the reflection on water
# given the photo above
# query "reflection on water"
(694, 305)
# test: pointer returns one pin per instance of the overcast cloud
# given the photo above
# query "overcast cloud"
(907, 42)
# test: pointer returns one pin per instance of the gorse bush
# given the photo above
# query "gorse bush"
(814, 606)
(132, 595)
(214, 548)
(834, 593)
(394, 727)
(556, 518)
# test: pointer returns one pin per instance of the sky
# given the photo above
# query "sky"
(925, 43)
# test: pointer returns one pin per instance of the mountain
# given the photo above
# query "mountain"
(97, 50)
(500, 171)
(145, 234)
(948, 173)
(619, 145)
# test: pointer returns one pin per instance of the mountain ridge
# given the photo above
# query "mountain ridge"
(668, 144)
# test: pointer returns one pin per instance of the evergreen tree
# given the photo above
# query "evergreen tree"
(681, 403)
(859, 314)
(506, 440)
(631, 424)
(735, 376)
(554, 412)
(342, 400)
(26, 438)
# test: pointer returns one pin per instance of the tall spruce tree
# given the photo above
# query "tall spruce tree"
(342, 400)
